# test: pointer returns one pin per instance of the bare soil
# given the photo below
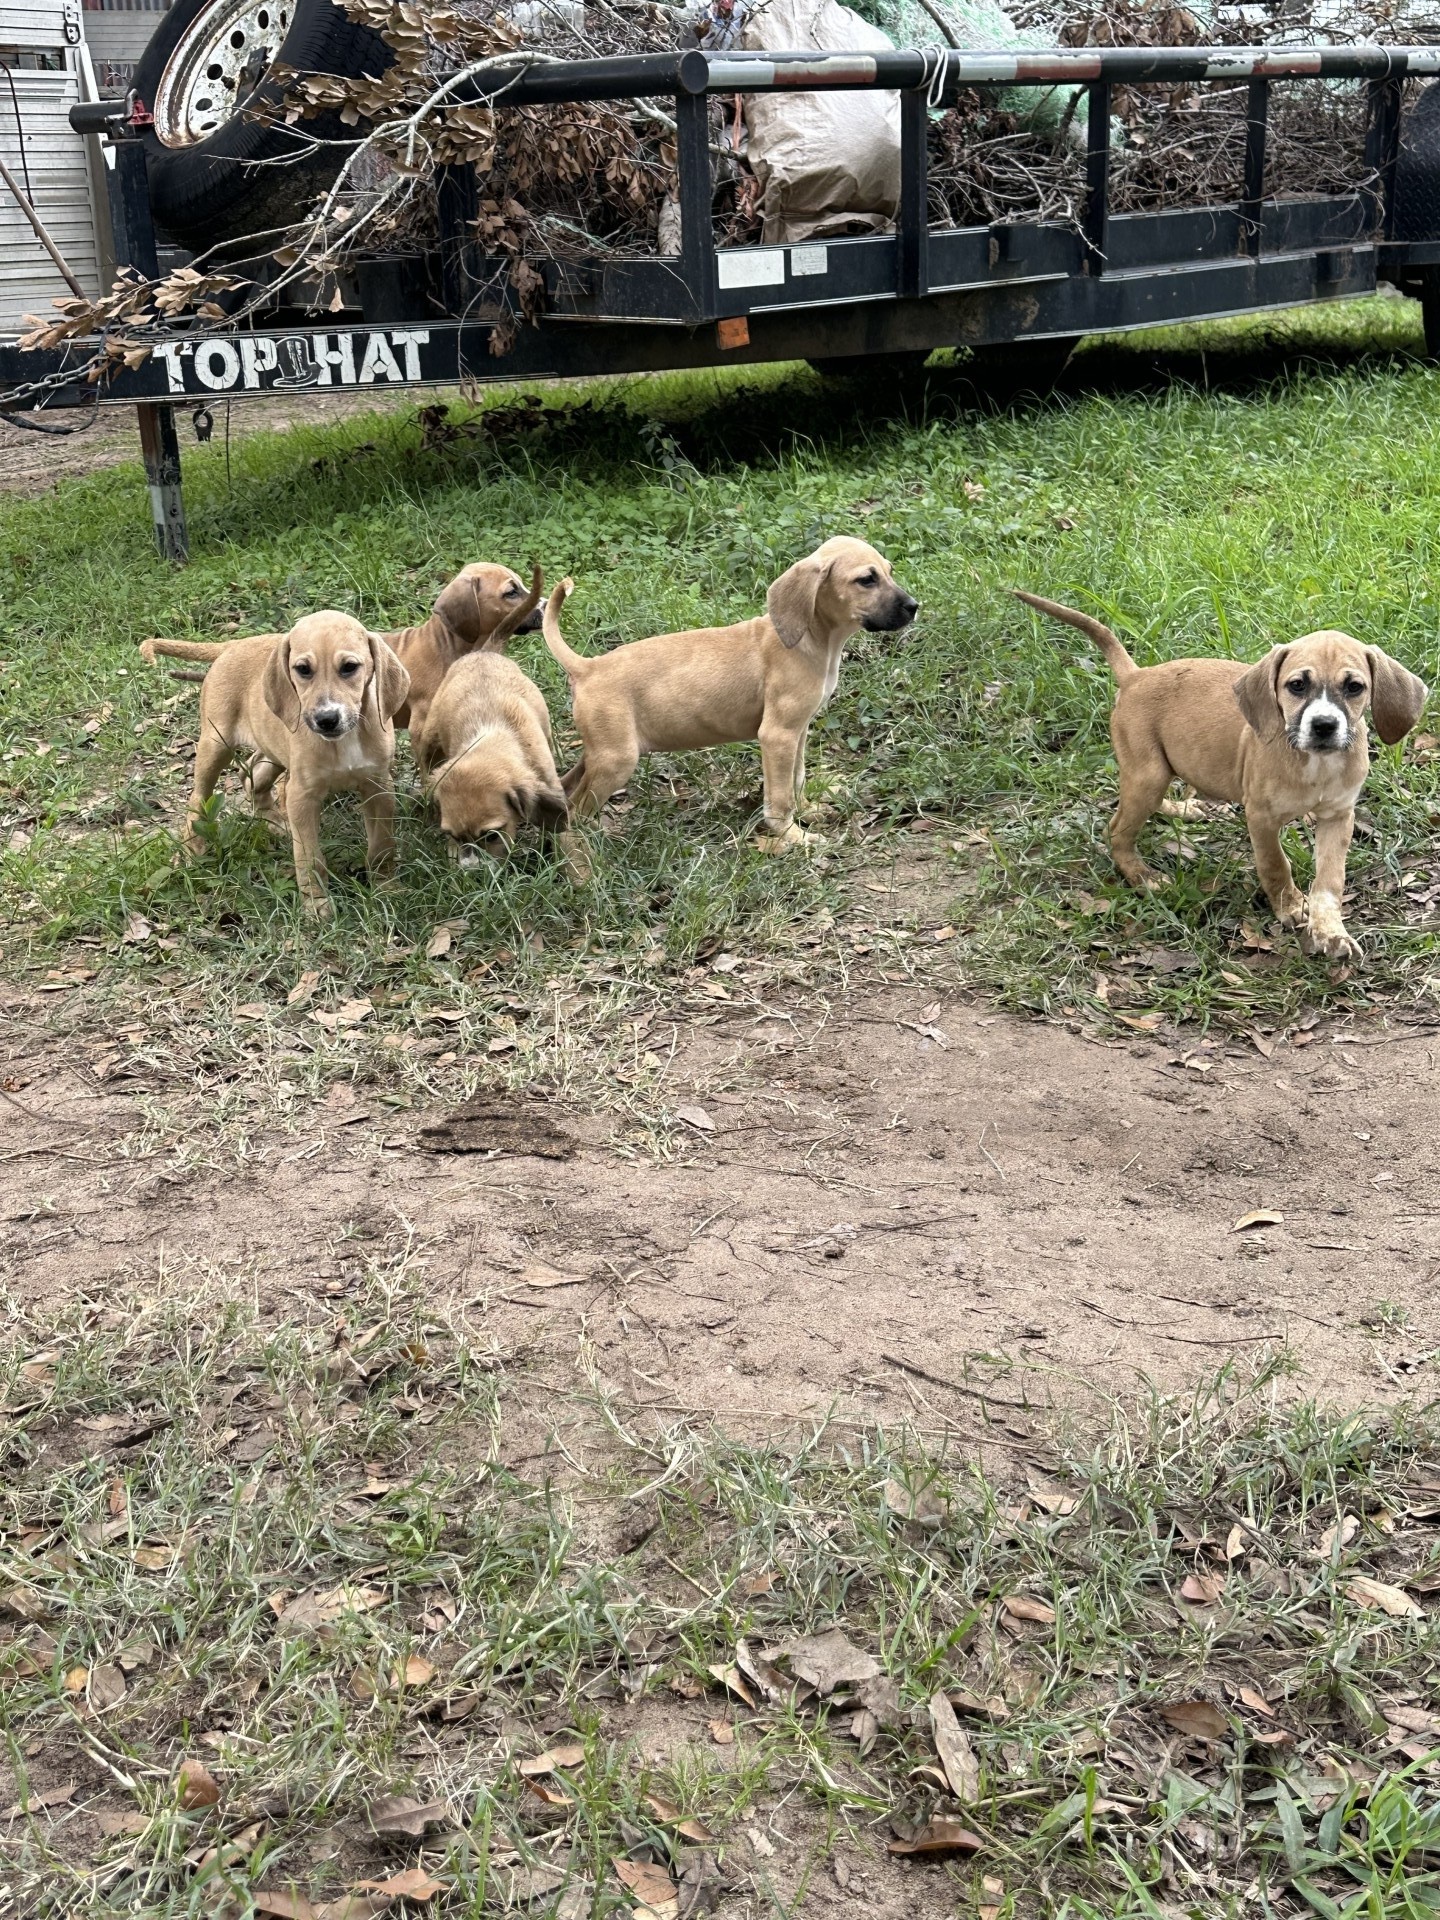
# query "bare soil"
(860, 1209)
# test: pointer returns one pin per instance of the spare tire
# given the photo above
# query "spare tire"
(216, 171)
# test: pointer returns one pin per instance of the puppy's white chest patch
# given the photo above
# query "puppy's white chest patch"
(832, 679)
(351, 753)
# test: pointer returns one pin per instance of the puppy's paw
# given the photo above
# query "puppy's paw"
(319, 906)
(793, 836)
(1144, 879)
(575, 857)
(1292, 909)
(1328, 940)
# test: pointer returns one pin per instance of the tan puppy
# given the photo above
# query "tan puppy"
(316, 704)
(764, 680)
(481, 608)
(486, 757)
(1284, 739)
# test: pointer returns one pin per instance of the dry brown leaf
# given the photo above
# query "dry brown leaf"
(75, 1679)
(826, 1661)
(538, 1274)
(414, 1884)
(721, 1732)
(113, 1823)
(398, 1813)
(957, 1756)
(1262, 1217)
(1202, 1589)
(552, 1796)
(117, 1500)
(198, 1786)
(551, 1761)
(107, 1686)
(1386, 1599)
(864, 1730)
(303, 989)
(993, 1708)
(992, 1897)
(669, 1816)
(439, 943)
(355, 1906)
(729, 1677)
(1340, 1534)
(52, 1797)
(285, 1906)
(940, 1834)
(1235, 1543)
(1021, 1606)
(153, 1559)
(1257, 1703)
(319, 1608)
(1197, 1718)
(695, 1117)
(415, 1673)
(649, 1883)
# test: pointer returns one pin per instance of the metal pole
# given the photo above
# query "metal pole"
(697, 193)
(1252, 194)
(22, 200)
(913, 237)
(1097, 177)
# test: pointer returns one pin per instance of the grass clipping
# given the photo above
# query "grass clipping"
(279, 1623)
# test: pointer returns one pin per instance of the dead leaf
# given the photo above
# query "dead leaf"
(552, 1796)
(414, 1884)
(538, 1275)
(198, 1786)
(285, 1906)
(415, 1673)
(923, 1506)
(721, 1732)
(957, 1756)
(1235, 1543)
(551, 1761)
(153, 1559)
(113, 1823)
(729, 1677)
(303, 990)
(695, 1117)
(1257, 1703)
(825, 1661)
(942, 1833)
(1262, 1217)
(117, 1500)
(1392, 1600)
(1197, 1718)
(992, 1898)
(1341, 1533)
(864, 1730)
(689, 1829)
(52, 1797)
(1021, 1606)
(1202, 1589)
(993, 1708)
(397, 1813)
(319, 1608)
(650, 1884)
(75, 1680)
(107, 1686)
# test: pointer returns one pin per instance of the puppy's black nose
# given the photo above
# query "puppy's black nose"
(909, 607)
(328, 720)
(1324, 726)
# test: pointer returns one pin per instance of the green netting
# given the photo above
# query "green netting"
(977, 26)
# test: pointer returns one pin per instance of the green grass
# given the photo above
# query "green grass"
(562, 1570)
(1213, 490)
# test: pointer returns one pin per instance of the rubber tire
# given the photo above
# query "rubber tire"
(205, 195)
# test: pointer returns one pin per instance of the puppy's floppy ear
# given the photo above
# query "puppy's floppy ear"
(277, 686)
(392, 678)
(500, 638)
(791, 600)
(459, 608)
(1258, 692)
(1397, 696)
(543, 807)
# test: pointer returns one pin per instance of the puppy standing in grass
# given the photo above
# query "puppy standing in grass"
(764, 680)
(1284, 739)
(317, 705)
(478, 612)
(486, 759)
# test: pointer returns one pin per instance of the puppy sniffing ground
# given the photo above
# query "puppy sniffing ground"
(763, 679)
(486, 758)
(1285, 738)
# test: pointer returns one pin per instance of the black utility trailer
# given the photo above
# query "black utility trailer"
(904, 293)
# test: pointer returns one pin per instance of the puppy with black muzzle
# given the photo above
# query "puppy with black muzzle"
(1284, 739)
(316, 708)
(479, 611)
(486, 758)
(764, 679)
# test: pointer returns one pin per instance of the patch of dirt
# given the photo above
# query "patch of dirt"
(34, 462)
(854, 1212)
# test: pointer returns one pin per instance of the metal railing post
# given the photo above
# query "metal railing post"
(1097, 176)
(913, 226)
(1382, 151)
(1252, 193)
(697, 194)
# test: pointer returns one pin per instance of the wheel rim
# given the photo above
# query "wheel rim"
(224, 54)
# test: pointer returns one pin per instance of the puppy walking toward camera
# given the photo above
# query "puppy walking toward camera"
(479, 611)
(764, 680)
(316, 705)
(486, 759)
(1284, 739)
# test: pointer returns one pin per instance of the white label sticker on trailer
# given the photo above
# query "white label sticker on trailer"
(809, 260)
(752, 267)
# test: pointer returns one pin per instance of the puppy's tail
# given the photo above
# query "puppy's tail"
(510, 625)
(150, 650)
(574, 663)
(1121, 665)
